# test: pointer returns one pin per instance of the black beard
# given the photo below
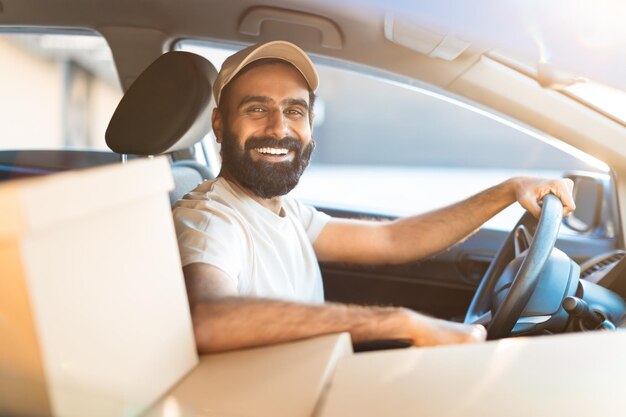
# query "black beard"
(263, 178)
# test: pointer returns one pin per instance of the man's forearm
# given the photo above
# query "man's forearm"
(238, 322)
(417, 237)
(420, 236)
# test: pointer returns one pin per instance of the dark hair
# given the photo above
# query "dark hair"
(254, 64)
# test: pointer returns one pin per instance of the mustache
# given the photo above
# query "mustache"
(288, 142)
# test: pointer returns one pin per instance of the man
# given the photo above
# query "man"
(250, 252)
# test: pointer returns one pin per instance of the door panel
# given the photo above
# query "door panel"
(381, 286)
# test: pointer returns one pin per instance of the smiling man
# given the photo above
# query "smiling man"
(250, 252)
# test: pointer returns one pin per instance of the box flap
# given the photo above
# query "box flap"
(89, 191)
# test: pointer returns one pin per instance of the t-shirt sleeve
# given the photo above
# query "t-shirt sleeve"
(211, 237)
(312, 220)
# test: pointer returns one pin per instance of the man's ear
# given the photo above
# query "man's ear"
(217, 124)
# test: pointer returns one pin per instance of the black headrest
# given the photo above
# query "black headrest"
(168, 107)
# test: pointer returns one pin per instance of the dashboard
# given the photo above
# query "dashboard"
(607, 270)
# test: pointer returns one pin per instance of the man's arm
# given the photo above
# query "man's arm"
(412, 238)
(224, 321)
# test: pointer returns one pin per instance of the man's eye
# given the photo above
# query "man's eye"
(295, 112)
(256, 109)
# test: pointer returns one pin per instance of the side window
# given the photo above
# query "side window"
(387, 147)
(59, 90)
(391, 148)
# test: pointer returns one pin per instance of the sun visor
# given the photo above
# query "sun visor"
(167, 108)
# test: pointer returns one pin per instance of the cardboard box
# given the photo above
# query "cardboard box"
(94, 319)
(574, 375)
(285, 380)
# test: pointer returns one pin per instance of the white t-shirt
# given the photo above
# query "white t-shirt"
(266, 255)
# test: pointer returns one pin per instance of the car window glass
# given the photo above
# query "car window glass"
(58, 92)
(387, 147)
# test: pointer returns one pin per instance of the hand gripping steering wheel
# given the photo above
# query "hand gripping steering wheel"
(534, 256)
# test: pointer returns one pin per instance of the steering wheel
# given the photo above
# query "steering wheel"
(534, 253)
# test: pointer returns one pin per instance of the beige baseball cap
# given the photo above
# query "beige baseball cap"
(284, 50)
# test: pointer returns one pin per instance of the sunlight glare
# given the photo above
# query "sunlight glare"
(607, 99)
(171, 408)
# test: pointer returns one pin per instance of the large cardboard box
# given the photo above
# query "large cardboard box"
(94, 319)
(284, 380)
(574, 375)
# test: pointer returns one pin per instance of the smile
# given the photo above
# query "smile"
(272, 151)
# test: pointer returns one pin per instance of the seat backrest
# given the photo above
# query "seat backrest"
(187, 175)
(167, 108)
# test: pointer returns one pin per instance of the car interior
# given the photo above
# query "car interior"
(536, 277)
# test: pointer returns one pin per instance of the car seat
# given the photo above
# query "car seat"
(167, 108)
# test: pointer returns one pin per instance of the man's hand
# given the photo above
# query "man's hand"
(529, 191)
(429, 331)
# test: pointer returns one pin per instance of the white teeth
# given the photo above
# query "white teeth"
(273, 151)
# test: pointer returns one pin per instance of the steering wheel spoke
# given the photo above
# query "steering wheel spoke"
(521, 239)
(483, 319)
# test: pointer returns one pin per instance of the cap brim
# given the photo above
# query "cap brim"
(282, 50)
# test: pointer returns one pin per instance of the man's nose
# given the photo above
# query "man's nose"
(277, 125)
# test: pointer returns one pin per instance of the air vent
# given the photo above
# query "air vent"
(598, 264)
